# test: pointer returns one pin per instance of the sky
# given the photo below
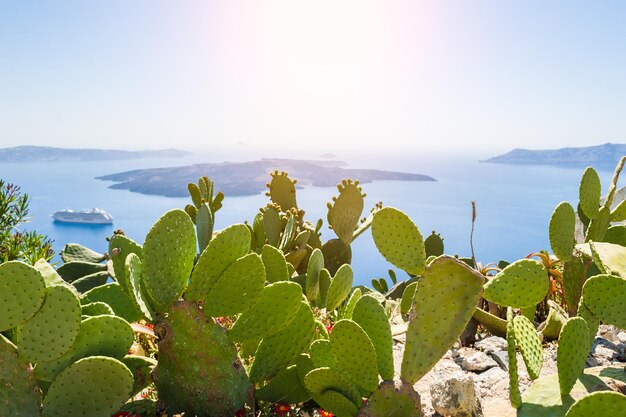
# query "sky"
(326, 76)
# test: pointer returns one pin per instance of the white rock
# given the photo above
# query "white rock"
(477, 362)
(456, 397)
(491, 344)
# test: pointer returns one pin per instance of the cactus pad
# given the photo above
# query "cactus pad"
(167, 256)
(598, 226)
(278, 351)
(141, 367)
(88, 282)
(336, 253)
(113, 295)
(314, 267)
(19, 395)
(599, 404)
(225, 248)
(239, 287)
(562, 227)
(370, 315)
(572, 352)
(433, 245)
(75, 252)
(448, 293)
(52, 331)
(354, 297)
(354, 354)
(275, 264)
(574, 272)
(95, 309)
(72, 271)
(22, 293)
(282, 191)
(340, 287)
(286, 387)
(321, 354)
(324, 283)
(605, 295)
(408, 295)
(593, 322)
(399, 240)
(99, 335)
(590, 190)
(323, 379)
(527, 338)
(609, 258)
(49, 274)
(515, 396)
(272, 224)
(523, 283)
(120, 247)
(73, 392)
(275, 309)
(345, 211)
(134, 274)
(393, 399)
(198, 372)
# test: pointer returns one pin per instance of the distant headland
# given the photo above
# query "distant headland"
(602, 156)
(247, 178)
(51, 154)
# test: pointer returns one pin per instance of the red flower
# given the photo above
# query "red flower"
(329, 328)
(240, 413)
(282, 409)
(325, 413)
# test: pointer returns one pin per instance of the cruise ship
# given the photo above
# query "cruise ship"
(92, 216)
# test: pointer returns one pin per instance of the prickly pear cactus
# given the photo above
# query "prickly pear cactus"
(589, 192)
(19, 394)
(167, 256)
(345, 210)
(120, 246)
(605, 295)
(393, 399)
(527, 338)
(399, 240)
(523, 283)
(572, 353)
(354, 354)
(22, 293)
(448, 293)
(514, 393)
(562, 229)
(282, 191)
(599, 404)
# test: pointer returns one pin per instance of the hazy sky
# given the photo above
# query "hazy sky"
(319, 75)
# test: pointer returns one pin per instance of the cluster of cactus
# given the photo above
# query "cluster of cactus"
(266, 313)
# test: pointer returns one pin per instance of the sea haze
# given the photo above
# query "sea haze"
(514, 202)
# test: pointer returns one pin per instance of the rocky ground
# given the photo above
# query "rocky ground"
(474, 382)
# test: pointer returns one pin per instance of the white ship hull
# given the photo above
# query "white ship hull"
(93, 216)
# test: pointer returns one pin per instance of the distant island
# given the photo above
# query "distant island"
(50, 154)
(247, 178)
(603, 156)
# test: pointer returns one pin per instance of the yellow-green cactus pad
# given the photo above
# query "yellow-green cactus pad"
(599, 404)
(286, 388)
(282, 191)
(345, 211)
(408, 295)
(399, 240)
(393, 399)
(320, 380)
(52, 331)
(167, 256)
(515, 396)
(605, 295)
(95, 309)
(340, 287)
(528, 340)
(49, 274)
(325, 280)
(238, 288)
(314, 267)
(574, 274)
(275, 309)
(336, 403)
(19, 395)
(103, 335)
(610, 258)
(619, 213)
(225, 248)
(134, 275)
(120, 247)
(72, 271)
(598, 226)
(275, 264)
(96, 387)
(90, 281)
(562, 228)
(590, 191)
(448, 293)
(321, 354)
(113, 295)
(523, 283)
(75, 252)
(593, 322)
(434, 245)
(572, 352)
(22, 293)
(278, 351)
(354, 354)
(370, 314)
(349, 308)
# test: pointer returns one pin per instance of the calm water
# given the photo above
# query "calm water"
(514, 203)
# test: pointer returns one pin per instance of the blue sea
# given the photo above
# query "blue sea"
(514, 203)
